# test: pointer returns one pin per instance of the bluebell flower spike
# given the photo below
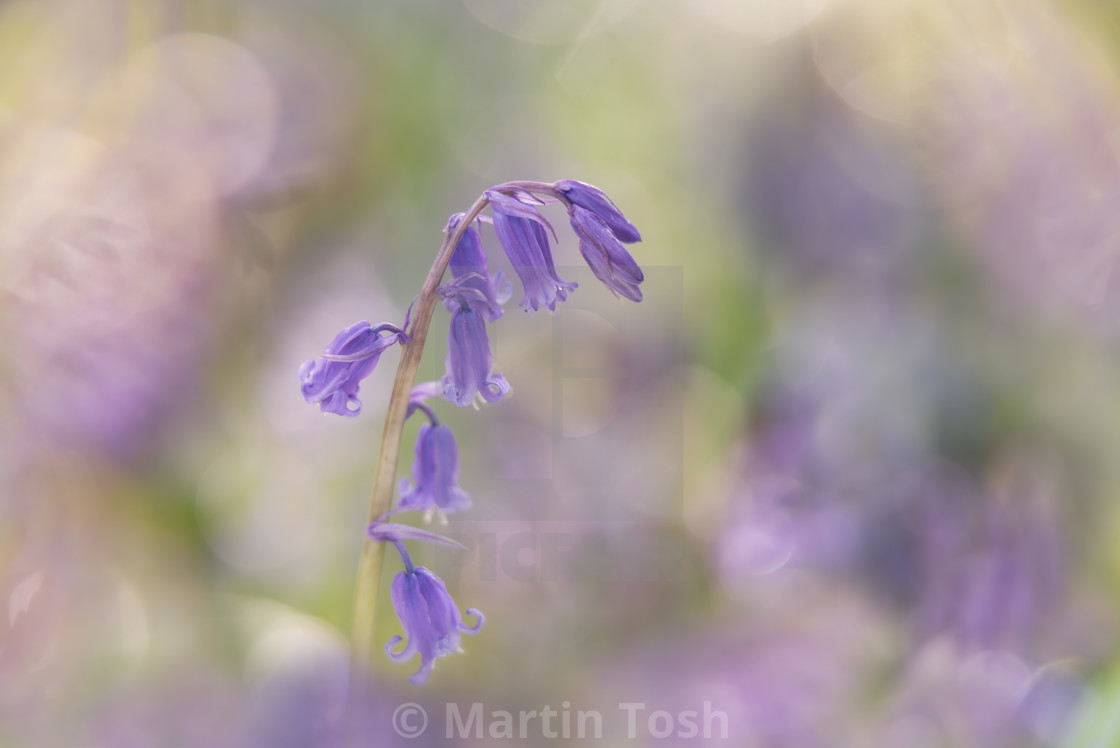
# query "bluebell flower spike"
(432, 623)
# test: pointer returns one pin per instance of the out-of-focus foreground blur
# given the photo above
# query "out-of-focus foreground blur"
(848, 475)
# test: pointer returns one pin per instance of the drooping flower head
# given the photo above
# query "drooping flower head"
(601, 229)
(469, 266)
(333, 379)
(431, 620)
(593, 200)
(435, 472)
(523, 233)
(604, 253)
(469, 361)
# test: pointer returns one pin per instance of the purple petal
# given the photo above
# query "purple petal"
(594, 200)
(469, 269)
(478, 626)
(388, 532)
(469, 361)
(511, 206)
(608, 259)
(436, 472)
(404, 655)
(333, 379)
(526, 244)
(430, 619)
(425, 391)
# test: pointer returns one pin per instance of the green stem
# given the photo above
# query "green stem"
(369, 565)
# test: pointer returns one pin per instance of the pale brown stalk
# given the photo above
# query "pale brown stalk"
(362, 642)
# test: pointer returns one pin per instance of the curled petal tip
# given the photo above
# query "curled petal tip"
(403, 656)
(478, 626)
(420, 677)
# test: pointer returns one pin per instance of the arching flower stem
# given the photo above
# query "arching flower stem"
(362, 637)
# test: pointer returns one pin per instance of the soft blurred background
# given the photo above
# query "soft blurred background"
(848, 473)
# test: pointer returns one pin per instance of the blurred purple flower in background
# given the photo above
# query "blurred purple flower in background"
(789, 674)
(1026, 165)
(74, 238)
(188, 135)
(992, 569)
(827, 198)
